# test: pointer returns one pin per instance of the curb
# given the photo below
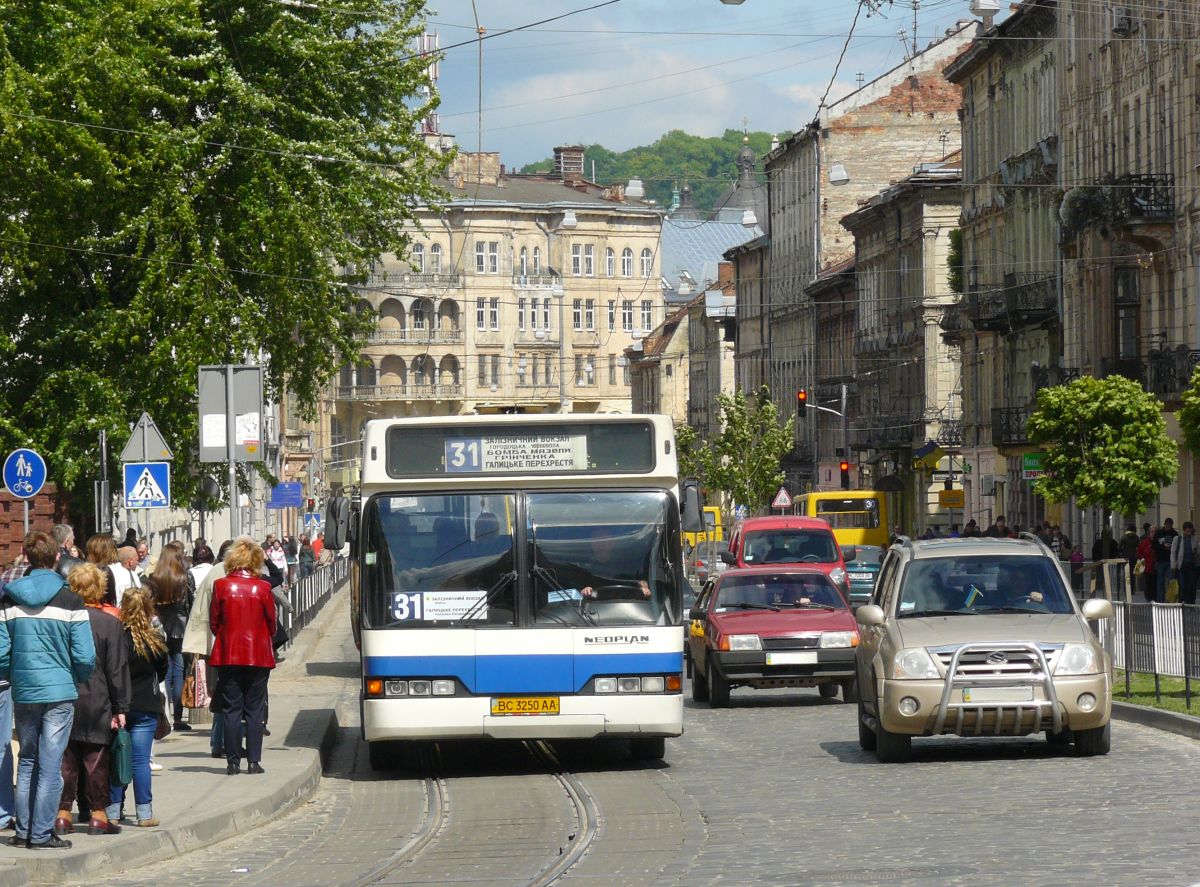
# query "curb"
(1167, 721)
(138, 847)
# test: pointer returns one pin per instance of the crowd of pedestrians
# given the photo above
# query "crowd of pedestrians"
(96, 646)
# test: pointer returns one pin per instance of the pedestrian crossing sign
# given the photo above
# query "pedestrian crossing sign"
(147, 484)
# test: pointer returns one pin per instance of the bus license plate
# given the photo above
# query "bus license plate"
(525, 705)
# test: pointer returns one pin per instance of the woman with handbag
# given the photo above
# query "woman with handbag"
(99, 710)
(147, 652)
(242, 618)
(172, 593)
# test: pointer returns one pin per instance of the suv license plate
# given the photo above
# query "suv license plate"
(997, 694)
(525, 705)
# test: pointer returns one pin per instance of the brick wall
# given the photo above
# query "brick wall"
(45, 510)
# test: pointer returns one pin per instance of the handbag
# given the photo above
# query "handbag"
(163, 728)
(188, 696)
(200, 683)
(120, 765)
(1139, 566)
(1172, 591)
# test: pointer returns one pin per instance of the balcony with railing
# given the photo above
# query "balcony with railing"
(884, 432)
(1130, 367)
(950, 434)
(395, 279)
(1145, 197)
(1049, 377)
(952, 324)
(535, 281)
(416, 391)
(1023, 299)
(416, 336)
(1009, 427)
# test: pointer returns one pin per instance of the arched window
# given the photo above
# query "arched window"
(418, 258)
(627, 262)
(346, 377)
(610, 262)
(647, 262)
(537, 260)
(435, 258)
(366, 373)
(524, 261)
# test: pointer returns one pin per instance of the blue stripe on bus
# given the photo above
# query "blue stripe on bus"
(524, 673)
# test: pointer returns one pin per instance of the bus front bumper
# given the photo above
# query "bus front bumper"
(580, 717)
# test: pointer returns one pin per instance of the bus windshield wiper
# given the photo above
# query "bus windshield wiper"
(505, 580)
(546, 576)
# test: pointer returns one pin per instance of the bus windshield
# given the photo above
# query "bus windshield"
(456, 559)
(849, 513)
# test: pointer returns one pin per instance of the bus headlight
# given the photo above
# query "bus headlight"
(653, 685)
(418, 688)
(606, 685)
(443, 688)
(396, 688)
(629, 685)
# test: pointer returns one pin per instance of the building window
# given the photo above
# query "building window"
(612, 369)
(495, 369)
(435, 259)
(521, 313)
(482, 369)
(578, 369)
(627, 262)
(589, 260)
(625, 373)
(577, 259)
(612, 315)
(589, 314)
(577, 314)
(480, 257)
(667, 370)
(480, 308)
(494, 313)
(521, 369)
(627, 316)
(537, 260)
(549, 370)
(524, 261)
(647, 262)
(647, 316)
(610, 262)
(494, 258)
(546, 314)
(418, 258)
(533, 370)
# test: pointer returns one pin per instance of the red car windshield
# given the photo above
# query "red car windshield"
(790, 546)
(778, 590)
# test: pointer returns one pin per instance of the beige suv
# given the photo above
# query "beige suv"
(979, 637)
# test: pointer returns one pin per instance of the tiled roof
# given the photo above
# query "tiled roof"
(696, 247)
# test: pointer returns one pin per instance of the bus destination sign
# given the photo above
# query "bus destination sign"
(517, 453)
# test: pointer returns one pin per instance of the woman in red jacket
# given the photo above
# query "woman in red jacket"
(1145, 553)
(242, 617)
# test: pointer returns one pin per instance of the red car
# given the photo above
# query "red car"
(768, 627)
(788, 540)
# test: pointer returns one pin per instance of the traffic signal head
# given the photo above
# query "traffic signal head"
(801, 402)
(845, 468)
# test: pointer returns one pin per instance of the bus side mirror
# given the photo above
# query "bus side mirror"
(337, 523)
(691, 516)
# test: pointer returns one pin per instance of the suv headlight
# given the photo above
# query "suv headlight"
(839, 639)
(1077, 659)
(914, 662)
(837, 576)
(744, 642)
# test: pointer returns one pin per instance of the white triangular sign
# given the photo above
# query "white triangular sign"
(146, 489)
(782, 499)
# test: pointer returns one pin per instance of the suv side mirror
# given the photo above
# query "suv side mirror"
(728, 557)
(849, 553)
(869, 614)
(691, 517)
(1097, 608)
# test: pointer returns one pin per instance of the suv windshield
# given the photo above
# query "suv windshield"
(982, 584)
(776, 590)
(790, 546)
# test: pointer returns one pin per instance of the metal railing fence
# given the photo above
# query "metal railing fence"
(308, 595)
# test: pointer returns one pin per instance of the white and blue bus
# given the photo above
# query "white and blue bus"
(518, 577)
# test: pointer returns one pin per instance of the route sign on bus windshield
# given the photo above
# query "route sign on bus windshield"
(524, 453)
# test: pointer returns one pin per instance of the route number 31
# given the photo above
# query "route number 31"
(406, 606)
(462, 455)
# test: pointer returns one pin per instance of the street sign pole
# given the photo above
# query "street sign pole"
(235, 529)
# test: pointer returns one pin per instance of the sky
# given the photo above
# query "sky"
(623, 74)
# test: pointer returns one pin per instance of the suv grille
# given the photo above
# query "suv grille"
(997, 661)
(796, 643)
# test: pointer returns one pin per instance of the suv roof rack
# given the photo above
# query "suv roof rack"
(1034, 537)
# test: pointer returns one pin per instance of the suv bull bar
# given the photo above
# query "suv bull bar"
(1020, 709)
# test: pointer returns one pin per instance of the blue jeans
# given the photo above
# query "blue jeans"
(6, 756)
(141, 726)
(175, 685)
(1162, 572)
(43, 730)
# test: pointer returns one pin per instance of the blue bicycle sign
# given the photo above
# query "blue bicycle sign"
(24, 473)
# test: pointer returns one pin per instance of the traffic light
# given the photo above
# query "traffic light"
(312, 504)
(845, 467)
(801, 402)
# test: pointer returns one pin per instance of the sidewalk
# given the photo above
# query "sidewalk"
(196, 801)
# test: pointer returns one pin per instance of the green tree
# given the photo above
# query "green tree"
(691, 452)
(745, 455)
(1106, 444)
(186, 182)
(1189, 413)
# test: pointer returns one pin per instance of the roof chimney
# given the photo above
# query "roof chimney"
(568, 162)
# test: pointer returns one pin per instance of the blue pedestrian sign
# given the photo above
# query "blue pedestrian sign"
(147, 484)
(24, 473)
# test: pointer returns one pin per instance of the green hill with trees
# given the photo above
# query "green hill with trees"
(707, 164)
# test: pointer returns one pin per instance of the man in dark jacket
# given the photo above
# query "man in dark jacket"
(45, 649)
(103, 701)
